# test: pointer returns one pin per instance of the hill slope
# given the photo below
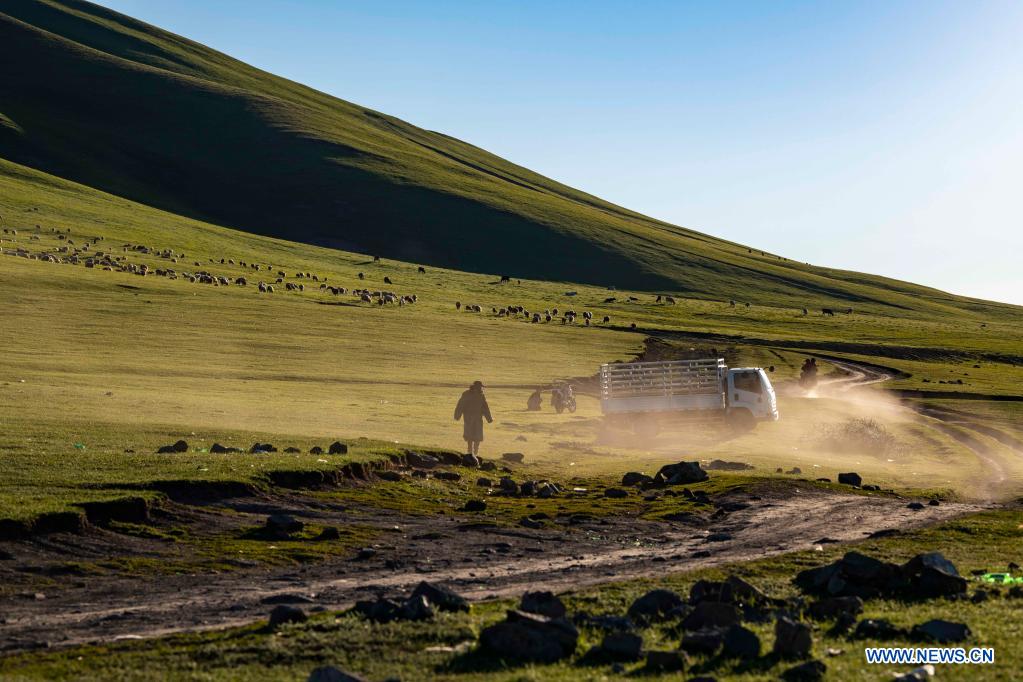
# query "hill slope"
(96, 97)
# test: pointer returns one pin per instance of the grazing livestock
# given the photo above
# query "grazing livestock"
(387, 280)
(669, 299)
(827, 311)
(612, 299)
(805, 311)
(458, 305)
(362, 276)
(422, 270)
(505, 278)
(732, 303)
(848, 311)
(606, 319)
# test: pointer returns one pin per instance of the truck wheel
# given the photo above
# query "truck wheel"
(741, 420)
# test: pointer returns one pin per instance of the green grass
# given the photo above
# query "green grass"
(442, 649)
(86, 89)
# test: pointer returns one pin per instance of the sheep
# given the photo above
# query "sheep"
(554, 312)
(279, 281)
(587, 322)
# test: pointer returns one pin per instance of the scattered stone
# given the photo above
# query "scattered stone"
(665, 661)
(284, 613)
(794, 471)
(441, 597)
(615, 493)
(165, 449)
(916, 506)
(811, 671)
(291, 450)
(415, 608)
(980, 596)
(740, 642)
(474, 506)
(941, 631)
(509, 486)
(924, 576)
(420, 461)
(543, 603)
(286, 599)
(635, 478)
(316, 450)
(877, 628)
(934, 503)
(921, 674)
(622, 646)
(531, 637)
(515, 457)
(329, 673)
(219, 449)
(261, 448)
(792, 639)
(533, 524)
(851, 478)
(833, 607)
(484, 482)
(282, 525)
(711, 614)
(337, 448)
(388, 475)
(365, 553)
(723, 465)
(703, 642)
(470, 461)
(655, 606)
(683, 473)
(870, 486)
(381, 610)
(488, 466)
(448, 476)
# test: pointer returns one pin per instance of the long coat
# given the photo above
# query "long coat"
(472, 407)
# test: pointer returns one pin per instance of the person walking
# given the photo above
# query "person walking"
(472, 408)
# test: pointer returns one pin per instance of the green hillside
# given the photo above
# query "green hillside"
(96, 97)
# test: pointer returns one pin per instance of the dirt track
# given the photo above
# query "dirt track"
(478, 561)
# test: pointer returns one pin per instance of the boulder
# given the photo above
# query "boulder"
(732, 590)
(509, 486)
(219, 449)
(448, 476)
(515, 457)
(543, 603)
(470, 461)
(811, 671)
(420, 461)
(329, 673)
(381, 610)
(703, 642)
(635, 478)
(488, 466)
(682, 473)
(329, 533)
(165, 449)
(655, 605)
(833, 607)
(415, 608)
(854, 575)
(665, 661)
(484, 482)
(392, 476)
(530, 637)
(711, 614)
(932, 575)
(877, 628)
(915, 506)
(941, 631)
(851, 478)
(337, 448)
(449, 458)
(792, 639)
(287, 614)
(258, 448)
(474, 506)
(291, 450)
(740, 642)
(723, 465)
(615, 493)
(622, 646)
(316, 450)
(282, 525)
(532, 524)
(441, 597)
(180, 446)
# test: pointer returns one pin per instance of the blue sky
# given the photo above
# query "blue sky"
(884, 137)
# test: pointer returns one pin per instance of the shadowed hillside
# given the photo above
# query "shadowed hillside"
(96, 97)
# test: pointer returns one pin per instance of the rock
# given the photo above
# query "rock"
(509, 486)
(449, 458)
(615, 493)
(287, 614)
(218, 449)
(415, 608)
(527, 489)
(488, 466)
(792, 639)
(877, 628)
(833, 607)
(869, 486)
(337, 448)
(851, 478)
(635, 478)
(941, 631)
(329, 673)
(811, 671)
(180, 446)
(722, 465)
(365, 554)
(622, 646)
(665, 661)
(794, 471)
(286, 599)
(934, 503)
(291, 450)
(854, 575)
(316, 450)
(448, 476)
(329, 533)
(921, 674)
(655, 605)
(530, 637)
(441, 597)
(515, 457)
(980, 596)
(703, 642)
(282, 525)
(740, 642)
(916, 506)
(420, 461)
(543, 603)
(470, 461)
(484, 482)
(533, 524)
(711, 614)
(843, 624)
(381, 610)
(932, 575)
(258, 448)
(682, 473)
(732, 590)
(474, 506)
(165, 449)
(392, 476)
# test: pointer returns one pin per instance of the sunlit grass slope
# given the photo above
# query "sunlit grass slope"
(94, 96)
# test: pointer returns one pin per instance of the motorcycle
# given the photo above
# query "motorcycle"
(563, 399)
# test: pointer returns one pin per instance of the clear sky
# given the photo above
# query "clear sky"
(878, 136)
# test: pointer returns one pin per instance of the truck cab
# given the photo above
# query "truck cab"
(749, 395)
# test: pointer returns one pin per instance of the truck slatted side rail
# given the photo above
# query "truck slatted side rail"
(666, 378)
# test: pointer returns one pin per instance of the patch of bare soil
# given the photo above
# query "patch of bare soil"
(479, 559)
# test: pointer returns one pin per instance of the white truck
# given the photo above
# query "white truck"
(647, 394)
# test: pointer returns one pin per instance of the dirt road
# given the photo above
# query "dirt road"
(479, 560)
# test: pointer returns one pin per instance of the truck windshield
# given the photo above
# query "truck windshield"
(748, 381)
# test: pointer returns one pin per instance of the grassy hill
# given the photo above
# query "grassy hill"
(96, 97)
